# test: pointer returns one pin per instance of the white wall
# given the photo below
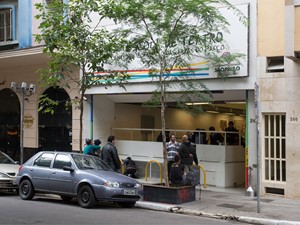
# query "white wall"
(252, 138)
(104, 116)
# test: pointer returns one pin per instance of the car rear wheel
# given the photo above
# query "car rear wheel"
(126, 204)
(26, 190)
(86, 197)
(66, 198)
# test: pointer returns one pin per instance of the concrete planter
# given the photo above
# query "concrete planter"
(171, 195)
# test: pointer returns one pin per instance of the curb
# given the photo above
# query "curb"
(266, 221)
(180, 210)
(156, 206)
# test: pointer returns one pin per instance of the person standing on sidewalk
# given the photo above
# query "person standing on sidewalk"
(187, 153)
(109, 154)
(89, 148)
(172, 151)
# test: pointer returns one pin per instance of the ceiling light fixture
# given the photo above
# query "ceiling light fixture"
(212, 111)
(197, 103)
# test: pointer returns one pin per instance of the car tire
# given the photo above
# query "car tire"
(26, 190)
(66, 198)
(126, 204)
(86, 197)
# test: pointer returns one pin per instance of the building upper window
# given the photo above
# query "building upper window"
(6, 25)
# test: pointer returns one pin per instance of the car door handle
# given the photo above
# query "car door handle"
(53, 172)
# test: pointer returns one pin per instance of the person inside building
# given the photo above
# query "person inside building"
(214, 137)
(109, 154)
(160, 137)
(172, 151)
(130, 168)
(89, 148)
(232, 137)
(196, 136)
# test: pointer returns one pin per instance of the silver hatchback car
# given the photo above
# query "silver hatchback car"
(70, 175)
(8, 170)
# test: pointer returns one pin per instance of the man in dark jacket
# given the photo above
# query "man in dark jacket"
(109, 154)
(187, 153)
(232, 137)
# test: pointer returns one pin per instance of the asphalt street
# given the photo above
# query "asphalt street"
(44, 209)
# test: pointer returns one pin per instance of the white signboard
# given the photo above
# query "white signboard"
(236, 41)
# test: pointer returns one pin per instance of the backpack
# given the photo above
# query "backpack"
(193, 177)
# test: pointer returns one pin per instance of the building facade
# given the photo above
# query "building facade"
(267, 94)
(20, 59)
(278, 77)
(122, 112)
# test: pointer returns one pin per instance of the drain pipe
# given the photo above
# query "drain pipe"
(256, 95)
(91, 117)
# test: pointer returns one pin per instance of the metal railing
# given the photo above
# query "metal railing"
(204, 175)
(160, 169)
(200, 136)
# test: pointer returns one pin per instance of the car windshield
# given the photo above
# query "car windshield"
(5, 159)
(90, 162)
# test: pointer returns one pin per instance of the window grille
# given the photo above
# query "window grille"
(275, 147)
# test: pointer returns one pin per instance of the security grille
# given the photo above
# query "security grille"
(275, 148)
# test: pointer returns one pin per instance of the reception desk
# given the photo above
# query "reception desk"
(224, 165)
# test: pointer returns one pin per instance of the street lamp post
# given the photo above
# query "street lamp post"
(24, 91)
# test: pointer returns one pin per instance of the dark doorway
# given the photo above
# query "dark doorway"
(55, 130)
(9, 123)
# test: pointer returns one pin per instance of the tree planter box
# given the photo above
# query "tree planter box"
(171, 195)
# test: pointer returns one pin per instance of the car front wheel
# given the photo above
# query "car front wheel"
(26, 190)
(126, 204)
(86, 197)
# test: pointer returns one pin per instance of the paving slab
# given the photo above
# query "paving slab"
(232, 203)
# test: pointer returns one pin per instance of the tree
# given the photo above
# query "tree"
(165, 36)
(74, 42)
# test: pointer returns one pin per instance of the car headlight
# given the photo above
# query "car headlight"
(3, 175)
(138, 186)
(112, 184)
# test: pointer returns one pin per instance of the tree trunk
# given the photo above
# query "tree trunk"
(163, 129)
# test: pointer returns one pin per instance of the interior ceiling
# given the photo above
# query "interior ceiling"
(228, 99)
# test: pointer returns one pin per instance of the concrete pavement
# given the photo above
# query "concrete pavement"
(233, 204)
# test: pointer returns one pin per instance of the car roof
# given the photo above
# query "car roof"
(76, 153)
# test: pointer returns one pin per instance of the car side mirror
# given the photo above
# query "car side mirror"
(17, 162)
(68, 168)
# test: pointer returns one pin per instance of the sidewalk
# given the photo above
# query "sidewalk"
(233, 204)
